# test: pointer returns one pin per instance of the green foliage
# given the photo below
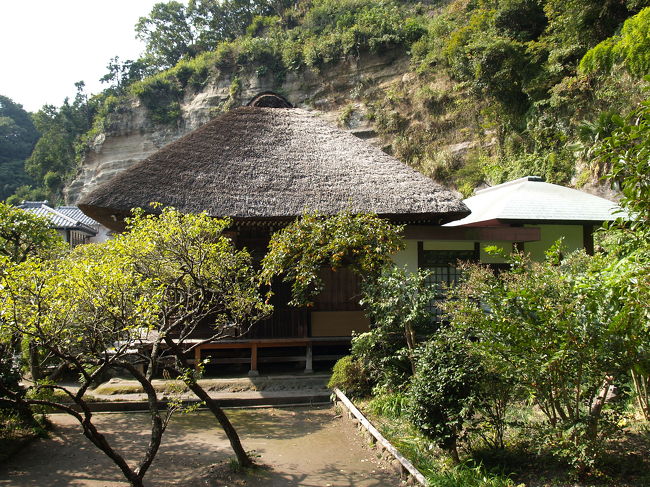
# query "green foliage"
(350, 375)
(630, 48)
(17, 138)
(551, 325)
(446, 389)
(60, 144)
(195, 270)
(161, 94)
(396, 302)
(626, 154)
(24, 235)
(468, 476)
(167, 33)
(27, 193)
(389, 405)
(556, 168)
(122, 74)
(90, 309)
(363, 242)
(385, 356)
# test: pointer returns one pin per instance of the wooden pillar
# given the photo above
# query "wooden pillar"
(588, 238)
(253, 371)
(197, 357)
(309, 360)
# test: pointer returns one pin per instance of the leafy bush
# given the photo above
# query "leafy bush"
(446, 390)
(397, 304)
(630, 48)
(385, 357)
(553, 167)
(351, 377)
(550, 326)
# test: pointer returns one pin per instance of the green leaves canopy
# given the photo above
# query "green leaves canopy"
(363, 242)
(24, 235)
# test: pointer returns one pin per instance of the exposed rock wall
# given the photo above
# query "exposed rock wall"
(132, 136)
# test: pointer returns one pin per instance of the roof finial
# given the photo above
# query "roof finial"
(268, 99)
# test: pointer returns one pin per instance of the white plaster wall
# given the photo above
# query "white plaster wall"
(408, 258)
(549, 234)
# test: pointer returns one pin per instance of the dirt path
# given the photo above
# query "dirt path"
(302, 447)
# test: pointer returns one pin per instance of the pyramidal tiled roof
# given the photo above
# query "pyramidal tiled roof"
(530, 199)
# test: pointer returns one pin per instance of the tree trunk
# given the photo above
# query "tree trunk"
(597, 407)
(452, 448)
(409, 334)
(641, 386)
(242, 457)
(34, 365)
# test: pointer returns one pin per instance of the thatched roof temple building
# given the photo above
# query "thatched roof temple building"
(264, 165)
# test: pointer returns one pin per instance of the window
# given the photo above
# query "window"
(444, 271)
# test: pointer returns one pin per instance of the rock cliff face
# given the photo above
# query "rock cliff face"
(132, 136)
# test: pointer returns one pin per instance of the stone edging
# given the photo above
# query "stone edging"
(406, 466)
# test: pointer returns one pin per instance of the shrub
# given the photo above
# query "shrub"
(351, 377)
(161, 94)
(446, 390)
(385, 357)
(551, 327)
(397, 303)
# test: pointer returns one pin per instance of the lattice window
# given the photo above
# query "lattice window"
(444, 272)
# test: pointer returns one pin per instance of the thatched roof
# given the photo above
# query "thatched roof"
(273, 163)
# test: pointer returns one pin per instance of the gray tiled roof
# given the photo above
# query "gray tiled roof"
(531, 199)
(58, 220)
(76, 214)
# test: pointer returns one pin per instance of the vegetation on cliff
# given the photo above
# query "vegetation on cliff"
(495, 89)
(17, 138)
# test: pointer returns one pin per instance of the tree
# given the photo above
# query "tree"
(61, 128)
(24, 235)
(200, 279)
(445, 392)
(218, 21)
(146, 290)
(626, 154)
(173, 31)
(167, 33)
(396, 303)
(17, 138)
(631, 48)
(86, 311)
(363, 242)
(551, 325)
(121, 74)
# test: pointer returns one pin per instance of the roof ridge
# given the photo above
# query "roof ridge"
(514, 182)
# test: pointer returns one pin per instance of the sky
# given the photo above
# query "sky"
(46, 46)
